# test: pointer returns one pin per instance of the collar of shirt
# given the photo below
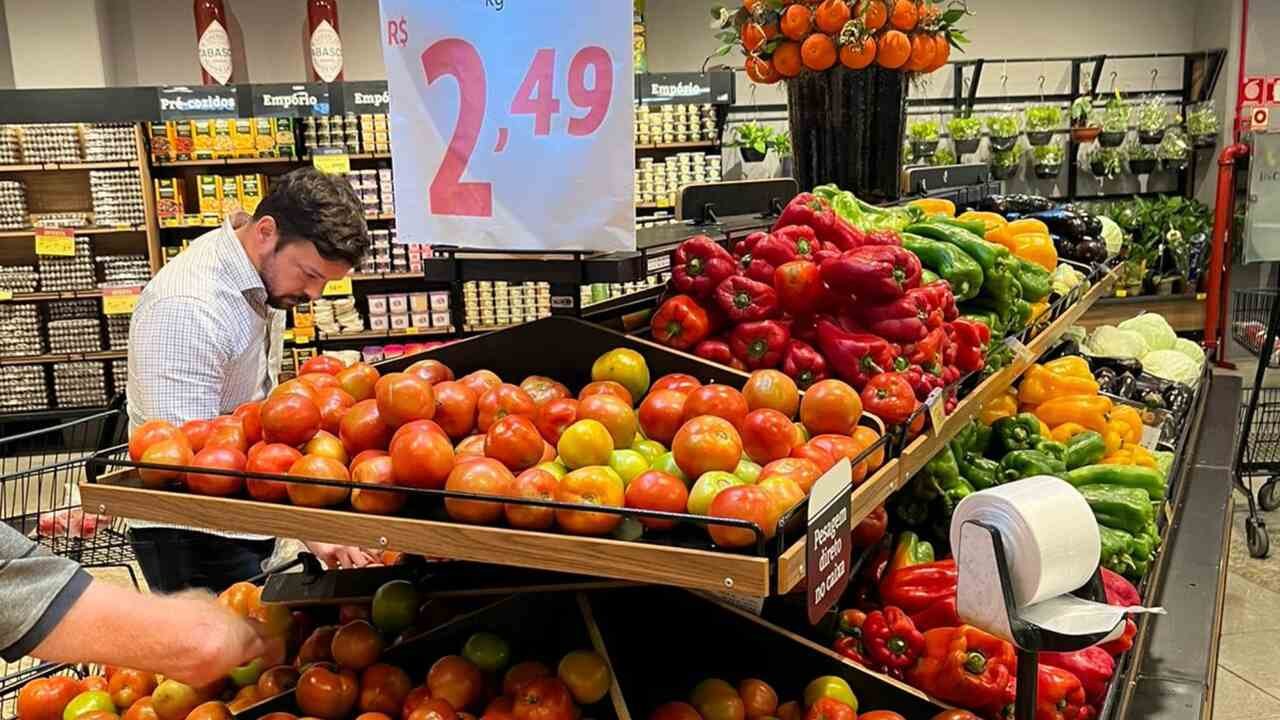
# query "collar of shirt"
(244, 276)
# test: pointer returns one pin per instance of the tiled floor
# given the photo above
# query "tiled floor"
(1248, 686)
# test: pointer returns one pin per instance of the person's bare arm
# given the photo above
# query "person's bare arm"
(188, 637)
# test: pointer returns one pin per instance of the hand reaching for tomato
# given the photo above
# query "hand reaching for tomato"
(344, 557)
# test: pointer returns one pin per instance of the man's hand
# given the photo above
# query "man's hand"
(229, 640)
(343, 557)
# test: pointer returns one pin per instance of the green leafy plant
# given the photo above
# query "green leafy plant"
(1153, 116)
(1007, 158)
(1142, 152)
(1202, 120)
(1041, 118)
(1050, 154)
(1081, 110)
(782, 144)
(1108, 163)
(1173, 146)
(1115, 116)
(964, 128)
(1003, 124)
(1160, 227)
(923, 131)
(760, 138)
(944, 156)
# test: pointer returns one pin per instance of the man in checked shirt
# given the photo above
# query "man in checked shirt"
(203, 338)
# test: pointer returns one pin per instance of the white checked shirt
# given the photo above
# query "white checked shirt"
(198, 339)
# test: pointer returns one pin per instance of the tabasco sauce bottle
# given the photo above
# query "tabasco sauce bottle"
(213, 43)
(325, 44)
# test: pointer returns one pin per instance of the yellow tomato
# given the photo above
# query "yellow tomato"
(586, 442)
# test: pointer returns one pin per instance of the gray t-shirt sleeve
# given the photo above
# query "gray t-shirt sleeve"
(36, 591)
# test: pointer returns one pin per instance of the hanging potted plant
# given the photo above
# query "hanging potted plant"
(1082, 130)
(782, 146)
(1153, 118)
(1042, 121)
(1115, 123)
(966, 133)
(1048, 160)
(1107, 163)
(1003, 127)
(1142, 160)
(1004, 163)
(1202, 126)
(1173, 150)
(944, 156)
(753, 141)
(924, 138)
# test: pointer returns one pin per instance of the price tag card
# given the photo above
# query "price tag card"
(304, 335)
(331, 160)
(338, 287)
(937, 408)
(6, 294)
(828, 542)
(121, 300)
(512, 123)
(55, 242)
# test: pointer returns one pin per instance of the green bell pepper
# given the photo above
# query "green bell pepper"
(949, 262)
(1033, 279)
(1086, 448)
(1014, 313)
(911, 550)
(967, 439)
(1021, 464)
(992, 320)
(1147, 479)
(1052, 448)
(1018, 432)
(945, 473)
(1146, 542)
(928, 276)
(1117, 549)
(979, 471)
(1122, 508)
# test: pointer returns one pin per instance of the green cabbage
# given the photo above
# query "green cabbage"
(1172, 365)
(1153, 328)
(1112, 235)
(1191, 349)
(1110, 341)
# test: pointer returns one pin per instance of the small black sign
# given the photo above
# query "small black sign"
(286, 100)
(828, 551)
(695, 88)
(362, 97)
(187, 102)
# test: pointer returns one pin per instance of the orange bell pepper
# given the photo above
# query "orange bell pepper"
(1087, 410)
(1066, 431)
(935, 206)
(1037, 248)
(1041, 384)
(1132, 420)
(990, 219)
(1003, 405)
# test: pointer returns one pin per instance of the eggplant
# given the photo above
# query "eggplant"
(1116, 364)
(1026, 204)
(1106, 378)
(1178, 397)
(1066, 223)
(1153, 400)
(1125, 385)
(992, 203)
(1090, 249)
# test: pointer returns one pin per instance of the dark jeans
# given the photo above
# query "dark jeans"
(174, 560)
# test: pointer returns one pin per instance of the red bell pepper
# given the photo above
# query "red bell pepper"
(942, 613)
(1059, 695)
(743, 299)
(802, 363)
(804, 241)
(928, 351)
(854, 357)
(891, 640)
(805, 327)
(825, 253)
(886, 236)
(1121, 645)
(916, 587)
(849, 636)
(872, 274)
(799, 287)
(699, 265)
(964, 666)
(748, 243)
(715, 350)
(807, 209)
(923, 381)
(1092, 666)
(904, 320)
(755, 268)
(680, 323)
(759, 344)
(1119, 591)
(941, 298)
(969, 342)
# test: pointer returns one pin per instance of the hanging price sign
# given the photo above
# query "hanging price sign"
(341, 286)
(121, 300)
(331, 160)
(513, 123)
(55, 242)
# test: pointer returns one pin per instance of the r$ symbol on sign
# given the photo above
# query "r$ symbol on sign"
(398, 32)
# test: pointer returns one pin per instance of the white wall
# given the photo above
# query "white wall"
(55, 45)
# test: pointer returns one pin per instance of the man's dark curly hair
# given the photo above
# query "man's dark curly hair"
(320, 208)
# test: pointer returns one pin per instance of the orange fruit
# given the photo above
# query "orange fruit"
(831, 16)
(941, 52)
(892, 50)
(797, 21)
(752, 5)
(858, 55)
(761, 70)
(818, 52)
(922, 52)
(904, 16)
(786, 59)
(752, 37)
(771, 30)
(873, 14)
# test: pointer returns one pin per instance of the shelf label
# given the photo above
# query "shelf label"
(341, 286)
(658, 263)
(828, 542)
(689, 87)
(564, 302)
(302, 336)
(290, 100)
(184, 102)
(486, 96)
(1121, 292)
(6, 294)
(331, 160)
(937, 407)
(368, 96)
(120, 300)
(55, 242)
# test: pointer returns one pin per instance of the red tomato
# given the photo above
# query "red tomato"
(804, 471)
(293, 387)
(455, 680)
(289, 418)
(819, 455)
(376, 471)
(503, 400)
(532, 484)
(319, 381)
(674, 711)
(656, 490)
(482, 476)
(433, 371)
(197, 432)
(741, 502)
(772, 389)
(129, 686)
(455, 408)
(554, 417)
(543, 389)
(719, 400)
(593, 485)
(359, 380)
(45, 699)
(830, 406)
(680, 382)
(321, 364)
(366, 455)
(327, 693)
(403, 398)
(333, 403)
(433, 709)
(606, 387)
(612, 412)
(768, 435)
(872, 528)
(661, 414)
(227, 431)
(421, 457)
(328, 445)
(891, 715)
(250, 415)
(321, 468)
(826, 708)
(515, 442)
(362, 428)
(521, 673)
(481, 381)
(174, 451)
(272, 459)
(706, 443)
(544, 699)
(758, 698)
(220, 458)
(472, 446)
(149, 433)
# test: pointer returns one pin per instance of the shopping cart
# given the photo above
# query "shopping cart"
(1256, 326)
(40, 473)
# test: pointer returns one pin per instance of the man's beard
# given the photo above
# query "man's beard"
(286, 302)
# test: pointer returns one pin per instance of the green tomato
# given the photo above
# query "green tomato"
(666, 462)
(747, 470)
(87, 702)
(395, 607)
(629, 464)
(246, 674)
(555, 467)
(487, 651)
(710, 484)
(650, 449)
(833, 687)
(625, 367)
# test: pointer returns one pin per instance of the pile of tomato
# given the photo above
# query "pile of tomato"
(672, 445)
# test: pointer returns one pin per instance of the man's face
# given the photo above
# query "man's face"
(295, 272)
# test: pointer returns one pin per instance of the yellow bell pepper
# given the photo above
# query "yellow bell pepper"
(1113, 437)
(1040, 384)
(1003, 405)
(1037, 248)
(1044, 429)
(1087, 410)
(1070, 366)
(1132, 421)
(1066, 431)
(935, 206)
(1005, 234)
(1119, 457)
(990, 219)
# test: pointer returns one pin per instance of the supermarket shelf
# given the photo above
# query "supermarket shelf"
(895, 473)
(47, 359)
(622, 303)
(89, 230)
(226, 161)
(96, 165)
(680, 146)
(487, 328)
(385, 334)
(1184, 312)
(372, 277)
(381, 216)
(64, 295)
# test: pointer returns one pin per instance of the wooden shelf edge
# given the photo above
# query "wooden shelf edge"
(604, 557)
